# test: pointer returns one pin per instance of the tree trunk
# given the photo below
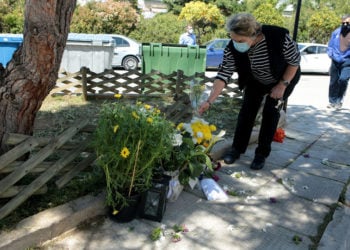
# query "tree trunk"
(33, 70)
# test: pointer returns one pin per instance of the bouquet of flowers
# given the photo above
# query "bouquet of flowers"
(190, 155)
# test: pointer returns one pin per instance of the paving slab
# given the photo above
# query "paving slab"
(300, 135)
(315, 166)
(311, 187)
(276, 204)
(339, 155)
(242, 179)
(290, 144)
(333, 139)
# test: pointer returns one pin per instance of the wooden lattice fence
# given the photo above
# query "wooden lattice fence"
(37, 156)
(133, 83)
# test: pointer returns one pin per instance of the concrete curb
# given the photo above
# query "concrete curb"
(52, 222)
(347, 196)
(336, 235)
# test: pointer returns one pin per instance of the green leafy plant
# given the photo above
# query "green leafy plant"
(129, 141)
(156, 234)
(180, 228)
(297, 239)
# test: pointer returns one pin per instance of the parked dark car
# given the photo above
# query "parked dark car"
(215, 51)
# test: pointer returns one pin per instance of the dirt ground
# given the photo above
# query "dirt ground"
(57, 113)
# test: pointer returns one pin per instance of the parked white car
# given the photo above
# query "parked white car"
(314, 58)
(127, 52)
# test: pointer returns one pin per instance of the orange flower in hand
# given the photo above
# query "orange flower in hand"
(279, 135)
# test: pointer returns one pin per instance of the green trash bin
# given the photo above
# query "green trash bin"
(168, 58)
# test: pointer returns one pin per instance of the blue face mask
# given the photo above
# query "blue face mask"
(241, 47)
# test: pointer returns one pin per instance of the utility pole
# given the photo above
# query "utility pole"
(295, 33)
(296, 21)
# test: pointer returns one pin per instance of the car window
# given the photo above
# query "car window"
(120, 42)
(322, 50)
(311, 50)
(221, 44)
(300, 46)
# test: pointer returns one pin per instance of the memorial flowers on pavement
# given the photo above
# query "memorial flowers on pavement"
(191, 152)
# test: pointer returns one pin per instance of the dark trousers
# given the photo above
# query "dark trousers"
(253, 96)
(339, 78)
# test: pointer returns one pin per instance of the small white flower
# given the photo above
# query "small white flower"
(221, 133)
(225, 188)
(325, 162)
(177, 140)
(231, 228)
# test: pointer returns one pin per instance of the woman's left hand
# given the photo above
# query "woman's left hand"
(277, 91)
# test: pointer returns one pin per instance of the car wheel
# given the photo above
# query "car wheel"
(130, 62)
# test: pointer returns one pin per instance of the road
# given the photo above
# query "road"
(312, 90)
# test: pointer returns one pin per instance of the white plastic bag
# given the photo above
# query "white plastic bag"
(212, 190)
(175, 189)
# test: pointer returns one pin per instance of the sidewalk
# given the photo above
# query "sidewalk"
(289, 204)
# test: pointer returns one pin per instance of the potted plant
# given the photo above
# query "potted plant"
(129, 141)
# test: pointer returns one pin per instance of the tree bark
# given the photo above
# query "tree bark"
(33, 70)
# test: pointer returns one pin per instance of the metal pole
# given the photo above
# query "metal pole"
(295, 33)
(296, 21)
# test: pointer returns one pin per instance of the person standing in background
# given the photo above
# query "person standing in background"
(188, 38)
(339, 51)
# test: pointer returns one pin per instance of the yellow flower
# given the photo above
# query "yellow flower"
(115, 128)
(135, 115)
(206, 132)
(125, 152)
(148, 107)
(199, 140)
(180, 126)
(149, 120)
(118, 96)
(200, 131)
(212, 127)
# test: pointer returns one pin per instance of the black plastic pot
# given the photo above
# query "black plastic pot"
(127, 213)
